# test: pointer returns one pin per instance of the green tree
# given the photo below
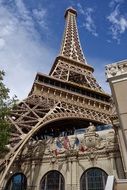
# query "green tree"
(6, 104)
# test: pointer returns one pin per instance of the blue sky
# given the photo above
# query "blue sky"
(31, 34)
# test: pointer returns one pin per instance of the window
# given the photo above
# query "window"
(17, 182)
(93, 179)
(53, 180)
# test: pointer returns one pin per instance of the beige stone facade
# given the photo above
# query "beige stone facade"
(117, 77)
(101, 152)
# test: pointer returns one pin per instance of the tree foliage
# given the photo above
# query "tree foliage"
(6, 104)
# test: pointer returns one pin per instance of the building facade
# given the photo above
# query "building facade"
(62, 136)
(117, 78)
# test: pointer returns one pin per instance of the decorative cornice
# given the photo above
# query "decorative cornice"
(116, 69)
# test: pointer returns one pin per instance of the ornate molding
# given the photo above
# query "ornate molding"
(91, 145)
(116, 69)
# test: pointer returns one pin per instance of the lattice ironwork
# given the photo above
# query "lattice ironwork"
(76, 75)
(71, 46)
(71, 65)
(47, 103)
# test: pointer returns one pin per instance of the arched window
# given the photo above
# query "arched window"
(53, 180)
(93, 179)
(17, 182)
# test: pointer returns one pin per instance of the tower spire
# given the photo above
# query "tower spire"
(71, 65)
(71, 46)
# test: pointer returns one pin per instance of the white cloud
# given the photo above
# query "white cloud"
(115, 2)
(23, 12)
(118, 24)
(39, 15)
(22, 53)
(81, 10)
(89, 23)
(2, 43)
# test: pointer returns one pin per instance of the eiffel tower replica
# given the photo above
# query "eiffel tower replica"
(67, 100)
